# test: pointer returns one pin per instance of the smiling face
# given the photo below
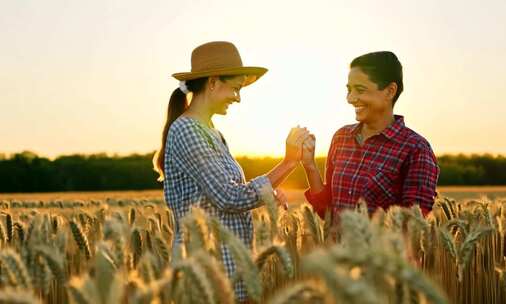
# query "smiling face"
(371, 104)
(224, 92)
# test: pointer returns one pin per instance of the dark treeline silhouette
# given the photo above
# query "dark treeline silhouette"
(27, 172)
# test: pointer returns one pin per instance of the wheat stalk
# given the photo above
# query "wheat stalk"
(281, 253)
(299, 293)
(17, 296)
(80, 238)
(222, 288)
(195, 275)
(16, 268)
(136, 245)
(343, 288)
(243, 261)
(54, 261)
(314, 224)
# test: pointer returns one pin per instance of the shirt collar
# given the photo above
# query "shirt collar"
(390, 132)
(394, 128)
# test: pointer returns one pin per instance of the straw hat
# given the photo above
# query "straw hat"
(219, 58)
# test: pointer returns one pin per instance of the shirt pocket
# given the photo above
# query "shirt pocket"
(380, 189)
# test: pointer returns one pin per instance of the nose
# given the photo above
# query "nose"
(351, 98)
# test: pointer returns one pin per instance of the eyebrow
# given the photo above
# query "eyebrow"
(357, 86)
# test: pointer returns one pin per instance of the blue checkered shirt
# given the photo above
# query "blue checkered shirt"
(200, 171)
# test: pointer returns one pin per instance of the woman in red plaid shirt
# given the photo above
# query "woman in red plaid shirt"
(378, 159)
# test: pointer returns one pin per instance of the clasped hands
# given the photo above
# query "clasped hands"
(300, 146)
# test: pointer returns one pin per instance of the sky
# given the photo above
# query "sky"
(94, 76)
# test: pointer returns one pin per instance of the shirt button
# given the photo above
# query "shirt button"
(349, 191)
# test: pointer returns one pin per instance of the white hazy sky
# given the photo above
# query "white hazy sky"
(93, 76)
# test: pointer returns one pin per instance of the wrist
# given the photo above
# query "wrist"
(289, 163)
(310, 166)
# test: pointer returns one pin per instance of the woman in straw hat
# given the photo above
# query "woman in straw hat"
(194, 162)
(379, 159)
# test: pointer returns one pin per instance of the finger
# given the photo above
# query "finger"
(308, 136)
(310, 142)
(304, 137)
(294, 133)
(307, 150)
(308, 153)
(299, 142)
(311, 138)
(307, 143)
(301, 133)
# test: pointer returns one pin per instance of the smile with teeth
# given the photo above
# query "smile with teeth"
(359, 109)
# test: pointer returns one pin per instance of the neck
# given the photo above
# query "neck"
(199, 110)
(371, 128)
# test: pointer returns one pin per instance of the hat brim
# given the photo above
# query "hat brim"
(252, 74)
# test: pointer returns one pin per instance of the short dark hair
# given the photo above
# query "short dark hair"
(382, 68)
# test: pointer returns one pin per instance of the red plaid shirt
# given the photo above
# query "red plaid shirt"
(396, 166)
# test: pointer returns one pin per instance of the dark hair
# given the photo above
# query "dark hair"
(177, 105)
(383, 68)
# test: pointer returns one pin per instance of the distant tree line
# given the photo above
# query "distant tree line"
(28, 172)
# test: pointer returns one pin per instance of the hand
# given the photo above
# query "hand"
(308, 148)
(281, 198)
(294, 142)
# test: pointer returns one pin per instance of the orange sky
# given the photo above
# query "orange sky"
(92, 76)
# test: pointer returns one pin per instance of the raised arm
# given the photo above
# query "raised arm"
(309, 163)
(199, 159)
(319, 194)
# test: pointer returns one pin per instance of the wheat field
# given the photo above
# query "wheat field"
(86, 249)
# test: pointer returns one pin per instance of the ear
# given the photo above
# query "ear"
(391, 90)
(211, 82)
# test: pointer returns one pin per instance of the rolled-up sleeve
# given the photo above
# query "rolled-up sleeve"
(421, 177)
(197, 157)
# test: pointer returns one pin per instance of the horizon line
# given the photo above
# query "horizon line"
(4, 155)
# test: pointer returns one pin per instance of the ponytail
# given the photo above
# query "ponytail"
(177, 105)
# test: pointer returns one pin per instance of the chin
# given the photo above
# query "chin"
(360, 118)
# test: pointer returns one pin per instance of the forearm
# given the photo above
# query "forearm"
(313, 178)
(279, 173)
